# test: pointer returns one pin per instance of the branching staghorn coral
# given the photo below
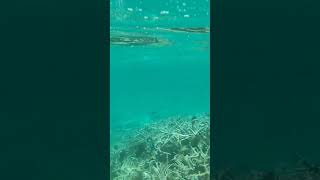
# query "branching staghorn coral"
(170, 149)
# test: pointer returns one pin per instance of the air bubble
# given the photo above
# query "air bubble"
(164, 12)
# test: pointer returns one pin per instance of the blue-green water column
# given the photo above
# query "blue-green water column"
(168, 78)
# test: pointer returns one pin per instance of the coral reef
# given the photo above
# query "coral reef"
(171, 149)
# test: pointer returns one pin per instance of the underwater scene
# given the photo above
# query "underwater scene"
(160, 89)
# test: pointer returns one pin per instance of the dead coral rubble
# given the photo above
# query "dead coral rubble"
(171, 149)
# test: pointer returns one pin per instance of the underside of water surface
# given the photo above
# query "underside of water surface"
(160, 70)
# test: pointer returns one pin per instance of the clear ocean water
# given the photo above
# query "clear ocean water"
(156, 80)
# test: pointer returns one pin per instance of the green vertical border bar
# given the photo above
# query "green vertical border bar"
(107, 76)
(54, 74)
(107, 38)
(264, 97)
(212, 107)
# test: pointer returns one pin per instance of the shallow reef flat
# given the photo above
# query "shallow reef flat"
(174, 148)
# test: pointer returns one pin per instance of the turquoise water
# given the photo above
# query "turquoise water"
(160, 13)
(170, 77)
